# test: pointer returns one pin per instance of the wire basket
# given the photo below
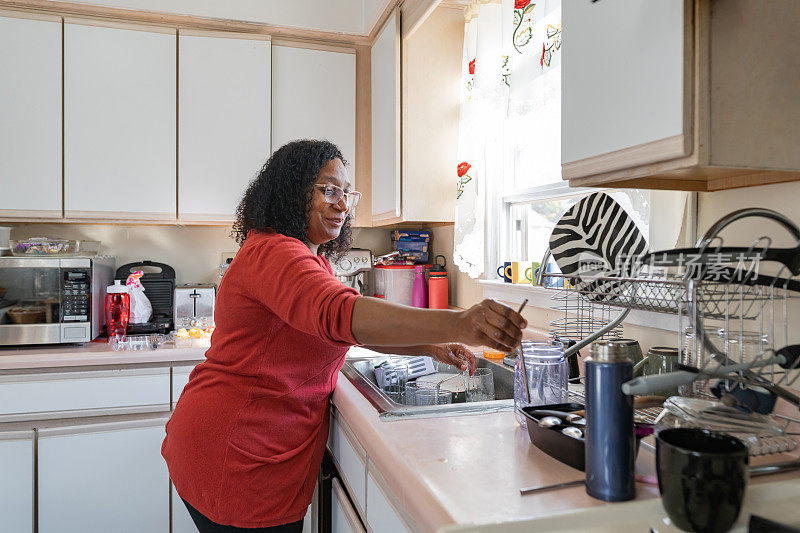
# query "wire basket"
(722, 302)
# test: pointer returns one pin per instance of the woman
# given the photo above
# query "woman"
(247, 436)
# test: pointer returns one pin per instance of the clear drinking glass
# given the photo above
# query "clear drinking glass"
(392, 377)
(546, 371)
(432, 396)
(480, 387)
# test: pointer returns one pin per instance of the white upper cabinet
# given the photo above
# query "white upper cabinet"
(385, 80)
(314, 97)
(224, 121)
(622, 78)
(119, 119)
(30, 117)
(674, 94)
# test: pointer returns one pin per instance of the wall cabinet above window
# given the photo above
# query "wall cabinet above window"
(680, 94)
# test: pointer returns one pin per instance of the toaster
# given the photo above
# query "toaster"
(194, 305)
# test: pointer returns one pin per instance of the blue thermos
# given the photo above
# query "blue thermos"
(610, 439)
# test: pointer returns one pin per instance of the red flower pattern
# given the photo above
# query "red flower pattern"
(463, 168)
(519, 4)
(541, 60)
(472, 67)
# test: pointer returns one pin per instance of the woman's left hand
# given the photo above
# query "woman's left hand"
(453, 353)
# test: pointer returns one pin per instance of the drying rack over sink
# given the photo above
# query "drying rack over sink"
(722, 296)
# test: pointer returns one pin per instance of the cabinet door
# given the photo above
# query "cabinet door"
(16, 490)
(350, 462)
(180, 377)
(344, 518)
(381, 516)
(119, 123)
(620, 107)
(314, 97)
(385, 81)
(181, 519)
(224, 118)
(103, 477)
(30, 107)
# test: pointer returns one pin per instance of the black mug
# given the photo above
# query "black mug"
(702, 477)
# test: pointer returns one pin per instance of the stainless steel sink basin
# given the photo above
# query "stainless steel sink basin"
(360, 372)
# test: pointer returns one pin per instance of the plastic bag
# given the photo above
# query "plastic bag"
(141, 308)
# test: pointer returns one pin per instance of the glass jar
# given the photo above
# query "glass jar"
(546, 371)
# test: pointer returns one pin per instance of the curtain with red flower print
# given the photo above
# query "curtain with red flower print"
(509, 122)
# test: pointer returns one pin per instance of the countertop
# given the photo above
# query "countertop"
(466, 471)
(95, 354)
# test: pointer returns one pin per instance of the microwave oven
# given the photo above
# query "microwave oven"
(53, 300)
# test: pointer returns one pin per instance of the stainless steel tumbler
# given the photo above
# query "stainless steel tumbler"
(610, 440)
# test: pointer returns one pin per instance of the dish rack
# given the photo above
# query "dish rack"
(707, 293)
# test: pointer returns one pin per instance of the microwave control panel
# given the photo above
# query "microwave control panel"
(76, 292)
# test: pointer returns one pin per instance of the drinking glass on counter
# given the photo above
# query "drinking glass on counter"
(546, 371)
(392, 377)
(480, 387)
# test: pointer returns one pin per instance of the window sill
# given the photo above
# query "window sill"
(542, 298)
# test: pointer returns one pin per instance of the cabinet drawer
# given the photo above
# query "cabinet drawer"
(381, 516)
(350, 461)
(76, 391)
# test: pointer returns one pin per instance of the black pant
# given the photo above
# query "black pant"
(204, 525)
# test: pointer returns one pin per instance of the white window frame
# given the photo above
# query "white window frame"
(498, 233)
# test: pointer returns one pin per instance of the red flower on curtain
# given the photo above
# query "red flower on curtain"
(541, 60)
(519, 4)
(472, 67)
(463, 179)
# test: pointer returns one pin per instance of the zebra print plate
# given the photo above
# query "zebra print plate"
(594, 242)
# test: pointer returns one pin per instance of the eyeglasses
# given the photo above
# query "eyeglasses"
(334, 194)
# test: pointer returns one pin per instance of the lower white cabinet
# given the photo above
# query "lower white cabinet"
(103, 477)
(350, 462)
(180, 377)
(344, 518)
(16, 488)
(181, 519)
(381, 516)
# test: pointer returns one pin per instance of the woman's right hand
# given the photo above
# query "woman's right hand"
(491, 324)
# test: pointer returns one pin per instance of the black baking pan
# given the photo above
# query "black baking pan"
(551, 441)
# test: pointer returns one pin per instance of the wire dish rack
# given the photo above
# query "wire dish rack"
(724, 298)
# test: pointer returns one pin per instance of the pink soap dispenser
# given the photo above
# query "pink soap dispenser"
(419, 293)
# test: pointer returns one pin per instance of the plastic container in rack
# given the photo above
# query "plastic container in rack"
(42, 246)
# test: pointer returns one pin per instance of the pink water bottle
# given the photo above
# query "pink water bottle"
(118, 310)
(419, 293)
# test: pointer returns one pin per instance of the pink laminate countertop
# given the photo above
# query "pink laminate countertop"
(462, 469)
(93, 354)
(468, 469)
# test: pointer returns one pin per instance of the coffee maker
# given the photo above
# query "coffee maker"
(353, 269)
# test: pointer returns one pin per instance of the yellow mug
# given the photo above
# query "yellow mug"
(521, 272)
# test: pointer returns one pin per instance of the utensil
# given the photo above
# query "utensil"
(543, 488)
(702, 478)
(522, 356)
(595, 239)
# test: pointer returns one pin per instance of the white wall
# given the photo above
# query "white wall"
(345, 16)
(194, 252)
(372, 10)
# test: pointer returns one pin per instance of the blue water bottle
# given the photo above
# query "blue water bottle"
(610, 436)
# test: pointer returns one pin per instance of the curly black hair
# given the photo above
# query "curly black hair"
(279, 198)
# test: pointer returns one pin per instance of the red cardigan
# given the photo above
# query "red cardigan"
(248, 433)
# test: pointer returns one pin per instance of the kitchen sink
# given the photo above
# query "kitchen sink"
(361, 373)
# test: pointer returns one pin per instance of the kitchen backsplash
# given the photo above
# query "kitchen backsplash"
(195, 252)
